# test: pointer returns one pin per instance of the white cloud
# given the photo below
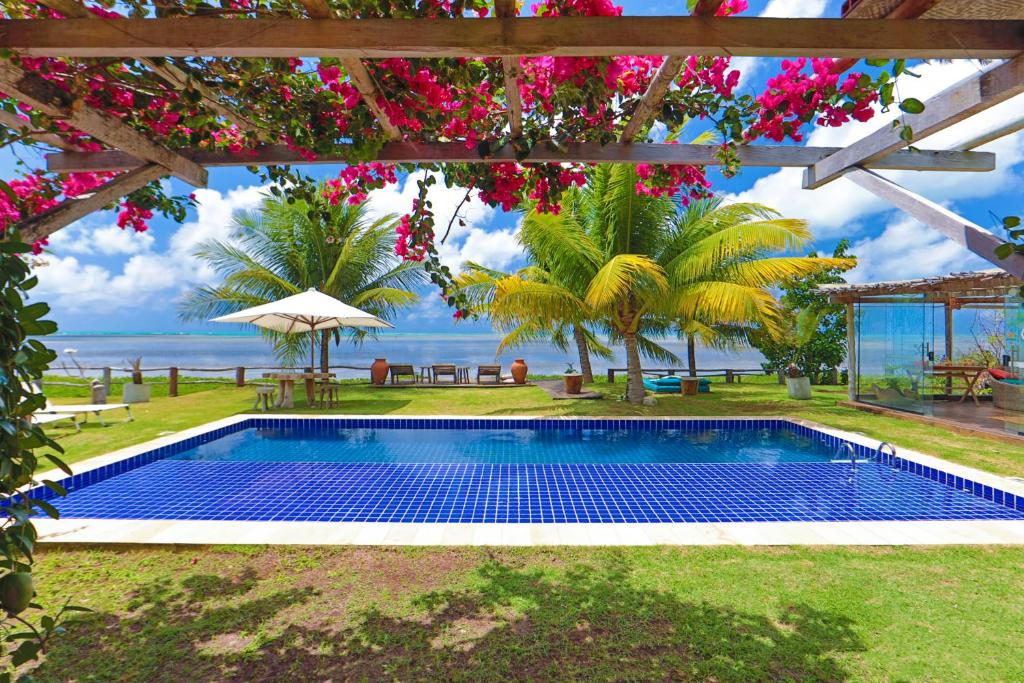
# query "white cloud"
(85, 238)
(841, 207)
(908, 249)
(496, 249)
(795, 9)
(398, 198)
(148, 274)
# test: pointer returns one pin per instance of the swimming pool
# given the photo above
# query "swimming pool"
(522, 470)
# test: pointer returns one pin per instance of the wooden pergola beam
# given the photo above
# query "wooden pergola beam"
(584, 152)
(510, 70)
(46, 97)
(558, 36)
(957, 228)
(357, 72)
(70, 210)
(959, 102)
(175, 76)
(651, 99)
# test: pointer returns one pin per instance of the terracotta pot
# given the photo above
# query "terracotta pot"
(379, 371)
(573, 383)
(519, 371)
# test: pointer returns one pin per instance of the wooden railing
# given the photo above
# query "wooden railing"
(173, 377)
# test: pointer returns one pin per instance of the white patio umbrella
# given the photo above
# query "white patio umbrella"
(306, 312)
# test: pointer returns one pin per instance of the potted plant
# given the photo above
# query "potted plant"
(573, 380)
(797, 383)
(136, 392)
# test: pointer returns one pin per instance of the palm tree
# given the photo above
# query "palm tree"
(286, 247)
(649, 267)
(538, 283)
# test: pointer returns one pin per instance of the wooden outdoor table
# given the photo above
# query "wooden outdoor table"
(286, 386)
(968, 373)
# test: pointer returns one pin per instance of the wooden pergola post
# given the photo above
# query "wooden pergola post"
(948, 309)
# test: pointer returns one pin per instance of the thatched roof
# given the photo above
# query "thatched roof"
(936, 9)
(974, 284)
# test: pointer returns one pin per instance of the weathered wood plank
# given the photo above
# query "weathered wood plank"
(957, 228)
(52, 101)
(559, 36)
(70, 210)
(510, 70)
(706, 8)
(411, 152)
(951, 106)
(651, 100)
(175, 76)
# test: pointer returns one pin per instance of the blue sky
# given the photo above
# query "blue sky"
(99, 278)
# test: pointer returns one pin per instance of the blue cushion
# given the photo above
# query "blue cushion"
(669, 381)
(652, 385)
(1012, 381)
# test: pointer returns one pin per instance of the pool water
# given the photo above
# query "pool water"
(512, 446)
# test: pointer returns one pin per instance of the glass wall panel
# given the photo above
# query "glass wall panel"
(1008, 394)
(897, 346)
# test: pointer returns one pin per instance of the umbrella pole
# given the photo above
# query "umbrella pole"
(312, 347)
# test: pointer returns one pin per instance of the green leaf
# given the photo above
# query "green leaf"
(47, 508)
(55, 487)
(1011, 222)
(1004, 250)
(912, 105)
(907, 134)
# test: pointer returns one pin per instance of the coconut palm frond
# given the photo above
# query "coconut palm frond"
(626, 273)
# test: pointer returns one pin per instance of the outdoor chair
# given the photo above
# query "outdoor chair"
(399, 371)
(264, 394)
(444, 370)
(83, 409)
(47, 418)
(488, 371)
(328, 394)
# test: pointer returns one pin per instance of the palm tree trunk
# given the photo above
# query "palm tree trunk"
(635, 393)
(581, 345)
(691, 354)
(325, 339)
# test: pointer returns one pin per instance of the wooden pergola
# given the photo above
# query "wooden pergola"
(987, 289)
(980, 29)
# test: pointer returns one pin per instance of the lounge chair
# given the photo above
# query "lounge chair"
(398, 371)
(443, 370)
(48, 418)
(488, 371)
(83, 409)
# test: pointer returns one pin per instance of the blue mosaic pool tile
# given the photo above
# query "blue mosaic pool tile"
(517, 493)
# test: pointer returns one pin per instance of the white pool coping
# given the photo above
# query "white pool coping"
(202, 532)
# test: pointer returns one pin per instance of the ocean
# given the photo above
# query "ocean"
(228, 351)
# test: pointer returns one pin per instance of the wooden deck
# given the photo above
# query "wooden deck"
(961, 418)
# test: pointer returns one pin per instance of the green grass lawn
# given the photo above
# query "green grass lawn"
(755, 396)
(597, 614)
(710, 614)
